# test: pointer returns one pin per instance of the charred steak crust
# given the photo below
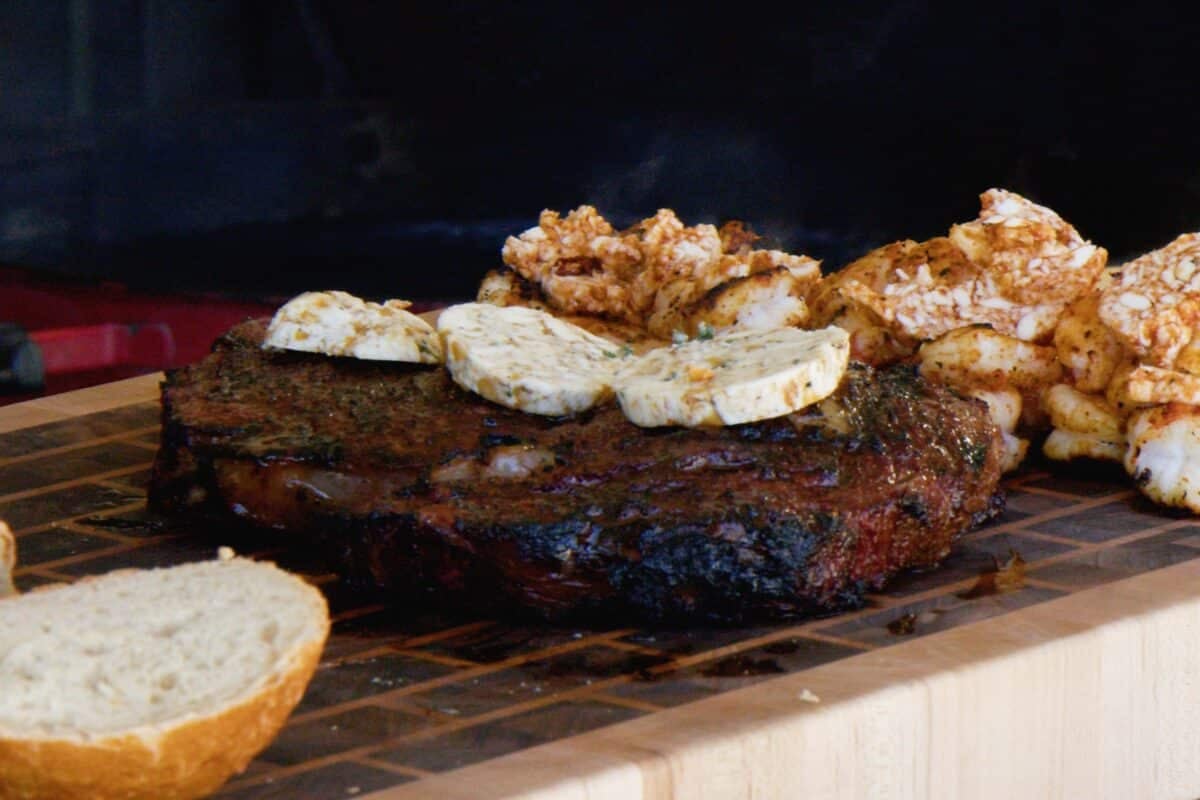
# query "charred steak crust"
(413, 483)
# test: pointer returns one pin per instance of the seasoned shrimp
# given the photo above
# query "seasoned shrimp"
(1004, 407)
(1164, 454)
(1015, 448)
(872, 341)
(580, 263)
(1085, 426)
(770, 299)
(661, 274)
(1134, 385)
(1034, 256)
(1087, 348)
(1066, 445)
(1016, 268)
(978, 357)
(1188, 359)
(887, 281)
(1117, 391)
(1154, 306)
(508, 288)
(673, 252)
(1155, 385)
(993, 367)
(1073, 410)
(846, 298)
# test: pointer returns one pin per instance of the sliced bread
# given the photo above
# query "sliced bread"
(156, 683)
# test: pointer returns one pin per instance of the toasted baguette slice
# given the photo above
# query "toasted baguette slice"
(154, 683)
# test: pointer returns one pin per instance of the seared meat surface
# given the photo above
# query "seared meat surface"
(412, 484)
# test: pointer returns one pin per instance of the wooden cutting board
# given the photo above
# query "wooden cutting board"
(1056, 654)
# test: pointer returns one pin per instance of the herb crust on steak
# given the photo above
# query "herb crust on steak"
(411, 484)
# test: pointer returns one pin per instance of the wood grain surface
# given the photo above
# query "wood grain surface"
(58, 407)
(1096, 695)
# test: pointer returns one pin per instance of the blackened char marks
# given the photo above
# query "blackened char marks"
(410, 483)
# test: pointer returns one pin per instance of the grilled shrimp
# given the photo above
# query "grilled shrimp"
(1034, 256)
(1154, 306)
(1004, 407)
(1087, 348)
(1066, 445)
(673, 253)
(581, 264)
(852, 299)
(762, 300)
(1016, 268)
(508, 288)
(1164, 454)
(872, 341)
(1154, 385)
(1073, 410)
(661, 274)
(978, 357)
(1085, 426)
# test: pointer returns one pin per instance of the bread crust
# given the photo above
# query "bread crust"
(184, 759)
(8, 560)
(193, 759)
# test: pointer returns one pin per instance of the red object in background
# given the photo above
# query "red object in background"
(92, 347)
(94, 333)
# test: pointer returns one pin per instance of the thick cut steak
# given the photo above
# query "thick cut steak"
(411, 484)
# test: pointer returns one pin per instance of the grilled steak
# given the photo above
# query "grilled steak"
(410, 483)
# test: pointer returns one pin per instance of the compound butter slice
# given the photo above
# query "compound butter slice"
(340, 324)
(734, 377)
(527, 359)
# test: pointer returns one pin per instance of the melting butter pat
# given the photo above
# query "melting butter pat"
(339, 324)
(736, 376)
(527, 359)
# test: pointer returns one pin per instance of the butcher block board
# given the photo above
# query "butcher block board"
(1072, 674)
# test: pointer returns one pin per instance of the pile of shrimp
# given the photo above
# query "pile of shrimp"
(1131, 374)
(1017, 309)
(977, 308)
(1014, 308)
(660, 275)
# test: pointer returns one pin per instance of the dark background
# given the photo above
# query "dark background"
(262, 148)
